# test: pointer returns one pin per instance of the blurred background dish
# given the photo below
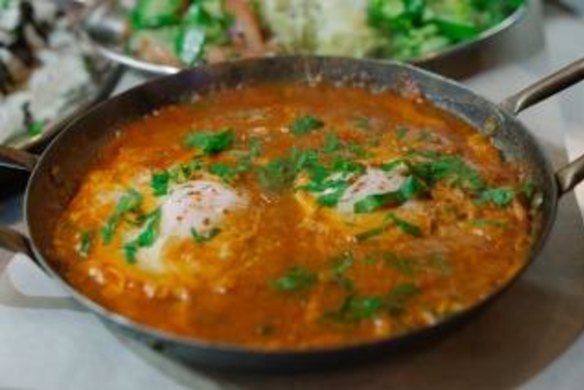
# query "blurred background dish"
(46, 75)
(163, 36)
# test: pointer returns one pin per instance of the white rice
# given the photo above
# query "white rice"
(50, 88)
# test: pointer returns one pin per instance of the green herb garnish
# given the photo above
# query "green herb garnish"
(339, 269)
(410, 189)
(145, 238)
(201, 238)
(332, 143)
(405, 226)
(305, 124)
(226, 172)
(159, 183)
(85, 243)
(501, 197)
(210, 142)
(296, 278)
(129, 202)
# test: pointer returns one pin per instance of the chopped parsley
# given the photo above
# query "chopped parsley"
(410, 189)
(201, 238)
(357, 308)
(226, 172)
(296, 278)
(280, 173)
(85, 243)
(160, 182)
(502, 196)
(210, 142)
(405, 226)
(305, 124)
(339, 269)
(332, 143)
(129, 202)
(145, 238)
(452, 170)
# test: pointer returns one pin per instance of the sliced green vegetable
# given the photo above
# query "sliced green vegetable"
(190, 44)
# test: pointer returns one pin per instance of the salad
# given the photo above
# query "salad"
(188, 32)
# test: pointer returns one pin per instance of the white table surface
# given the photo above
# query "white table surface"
(47, 342)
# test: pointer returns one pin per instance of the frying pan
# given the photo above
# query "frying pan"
(56, 174)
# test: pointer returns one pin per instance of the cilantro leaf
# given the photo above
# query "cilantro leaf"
(502, 196)
(129, 202)
(405, 226)
(411, 188)
(332, 143)
(210, 142)
(296, 278)
(339, 268)
(226, 172)
(201, 238)
(159, 183)
(85, 243)
(357, 308)
(145, 238)
(305, 124)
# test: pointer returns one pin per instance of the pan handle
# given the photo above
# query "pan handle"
(573, 173)
(17, 159)
(10, 239)
(14, 241)
(545, 88)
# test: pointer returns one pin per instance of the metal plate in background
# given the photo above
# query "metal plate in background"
(105, 28)
(105, 75)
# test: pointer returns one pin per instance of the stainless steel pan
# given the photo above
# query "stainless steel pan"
(56, 174)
